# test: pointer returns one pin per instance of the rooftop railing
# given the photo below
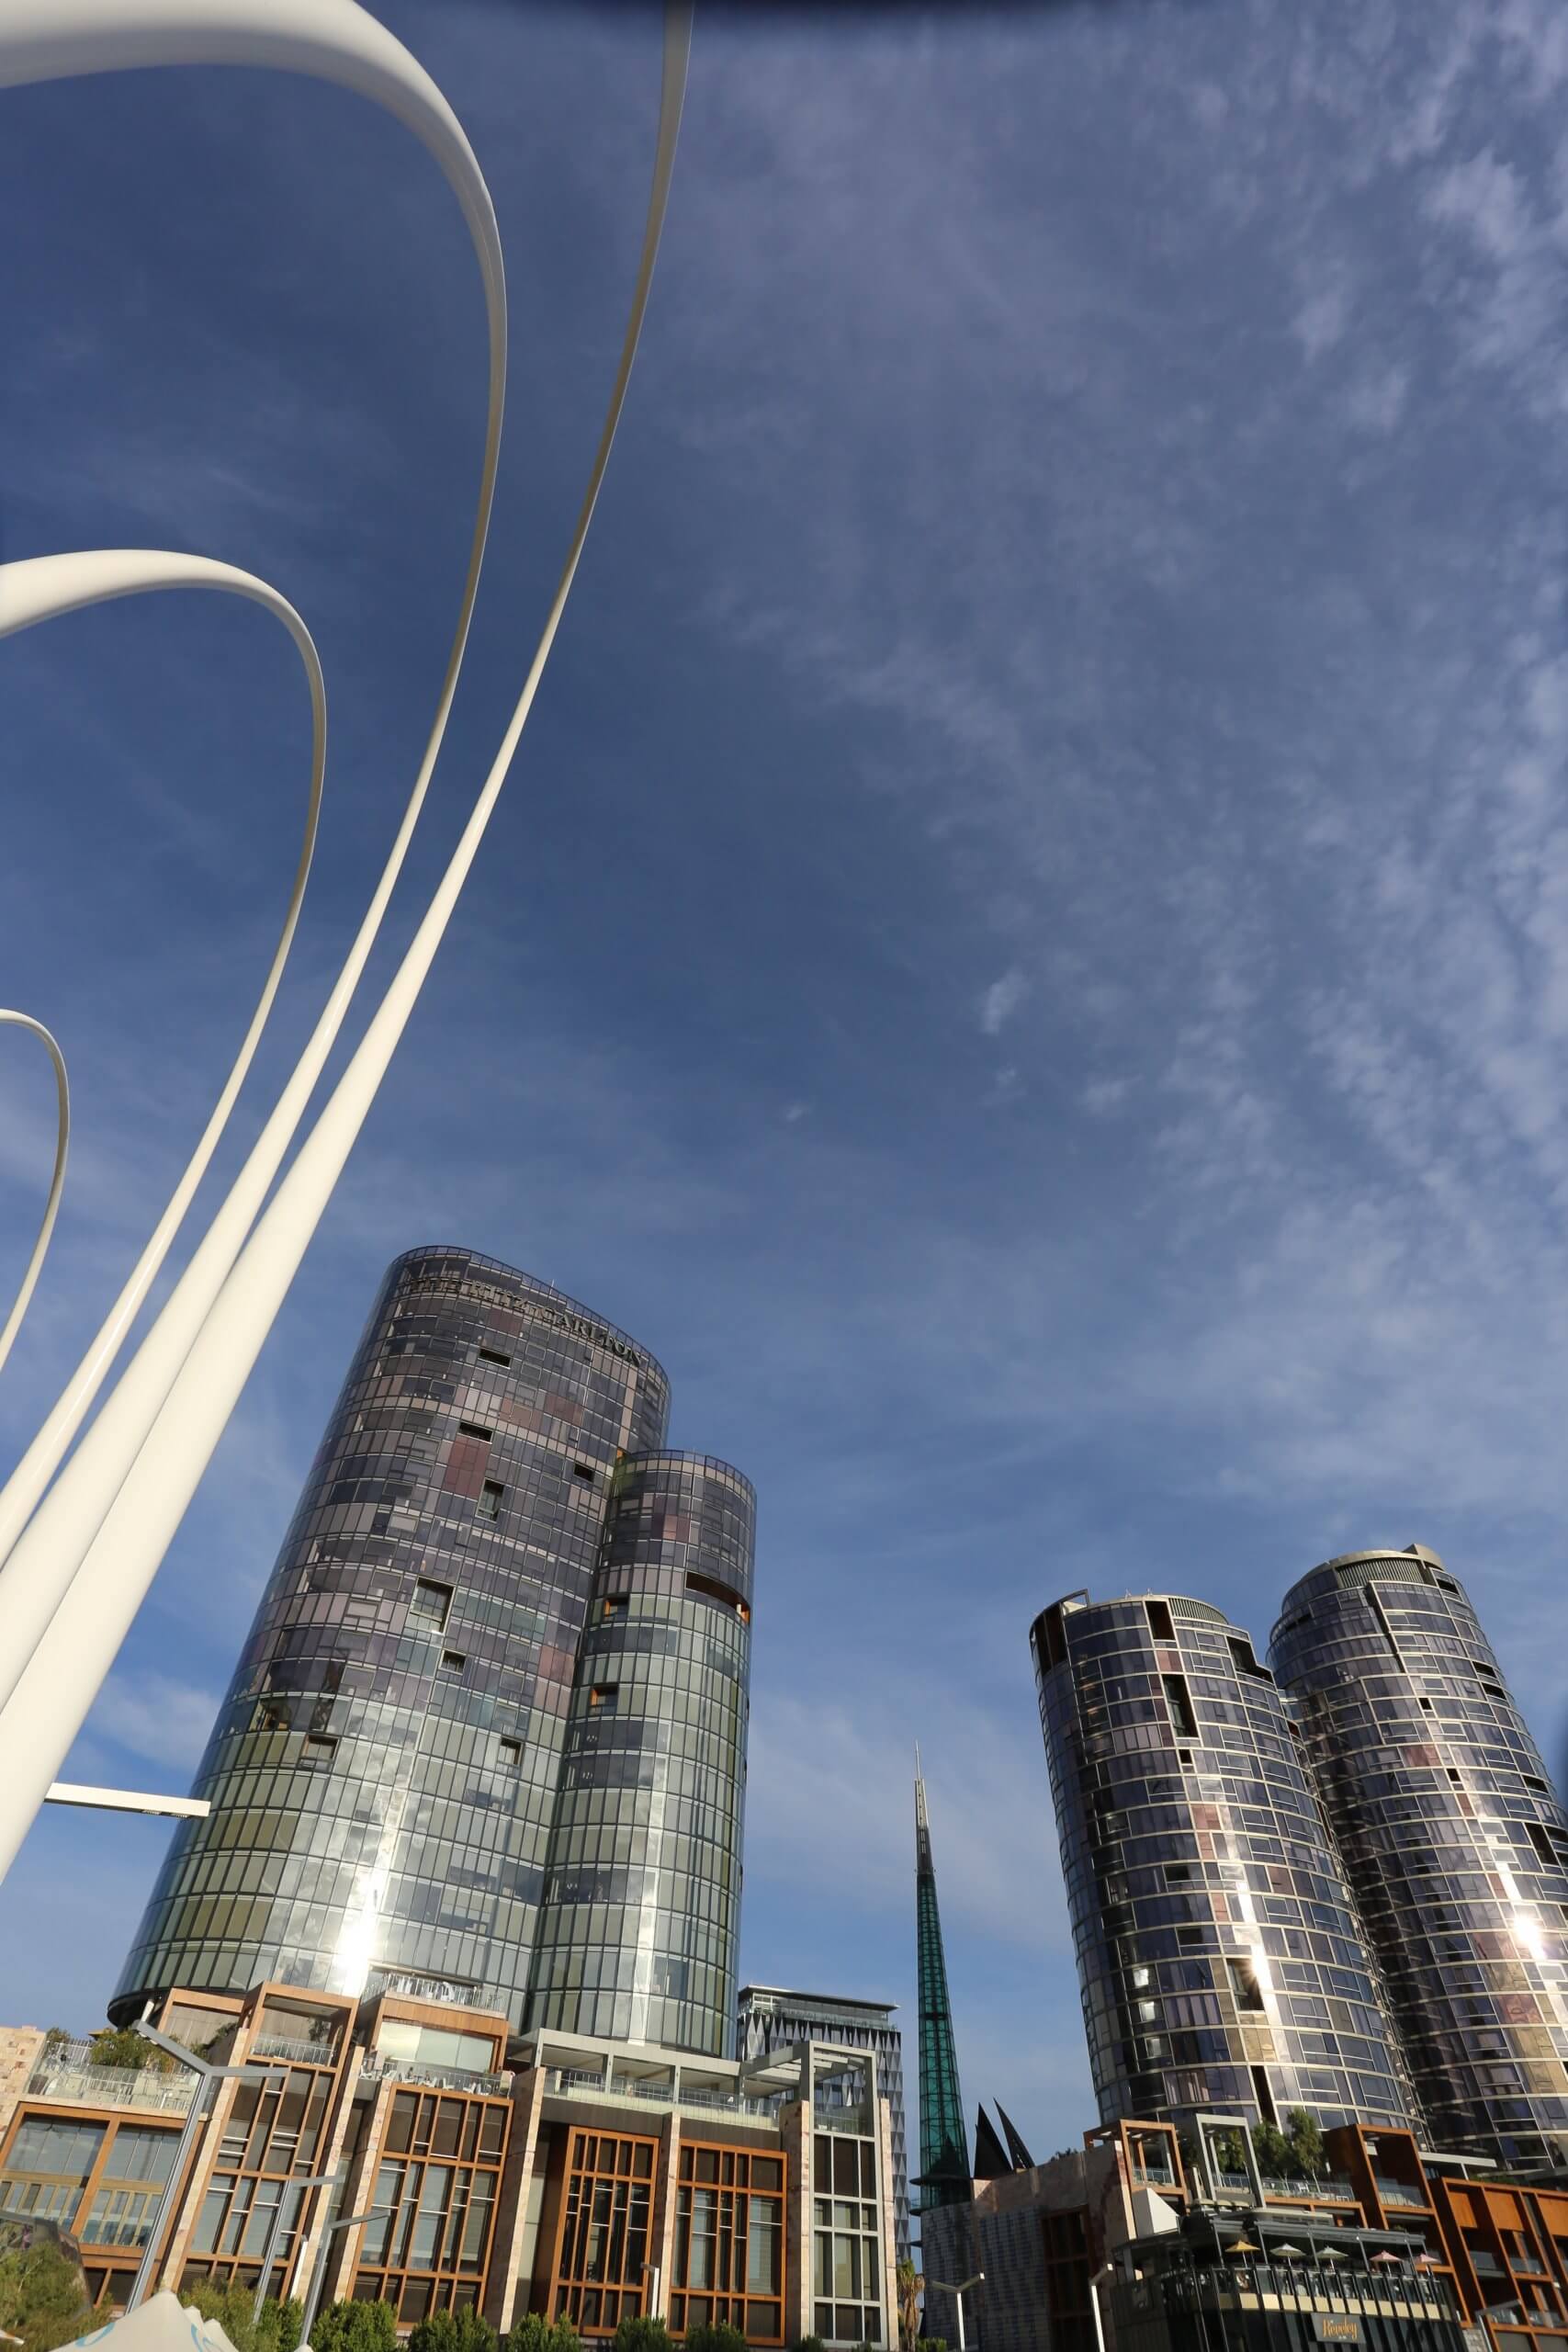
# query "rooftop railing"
(67, 2073)
(584, 2082)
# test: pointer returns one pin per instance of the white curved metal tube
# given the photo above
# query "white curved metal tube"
(52, 1696)
(41, 588)
(43, 1542)
(56, 1182)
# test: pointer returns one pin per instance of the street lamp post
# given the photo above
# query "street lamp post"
(204, 2074)
(958, 2294)
(317, 2181)
(319, 2276)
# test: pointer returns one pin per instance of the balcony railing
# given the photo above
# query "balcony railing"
(379, 2068)
(1397, 2193)
(67, 2073)
(297, 2048)
(581, 2082)
(1333, 2185)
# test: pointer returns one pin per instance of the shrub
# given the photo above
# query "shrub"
(464, 2331)
(355, 2327)
(638, 2333)
(706, 2337)
(277, 2330)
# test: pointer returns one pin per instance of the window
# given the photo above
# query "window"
(728, 2264)
(599, 2275)
(585, 1471)
(491, 1500)
(452, 1661)
(614, 1604)
(318, 1754)
(475, 1428)
(431, 1601)
(1160, 1625)
(845, 2242)
(604, 1694)
(712, 1589)
(1542, 1845)
(1244, 1985)
(510, 1752)
(494, 1355)
(1180, 1705)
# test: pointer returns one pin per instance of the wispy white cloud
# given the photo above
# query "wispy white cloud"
(1001, 1001)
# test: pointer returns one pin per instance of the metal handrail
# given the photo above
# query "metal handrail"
(66, 2073)
(301, 2053)
(379, 2068)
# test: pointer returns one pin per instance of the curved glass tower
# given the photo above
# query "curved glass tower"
(1219, 1960)
(1453, 1838)
(639, 1934)
(383, 1769)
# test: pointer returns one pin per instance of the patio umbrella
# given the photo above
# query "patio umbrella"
(1287, 2253)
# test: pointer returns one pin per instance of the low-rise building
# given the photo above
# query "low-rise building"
(564, 2174)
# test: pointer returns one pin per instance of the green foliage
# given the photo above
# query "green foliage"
(464, 2331)
(932, 2343)
(909, 2284)
(707, 2337)
(355, 2327)
(532, 2332)
(813, 2343)
(1272, 2150)
(121, 2045)
(277, 2330)
(42, 2297)
(59, 2037)
(1306, 2141)
(636, 2332)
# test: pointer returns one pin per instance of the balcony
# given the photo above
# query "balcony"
(582, 2082)
(1399, 2192)
(66, 2072)
(1334, 2187)
(379, 2069)
(296, 2050)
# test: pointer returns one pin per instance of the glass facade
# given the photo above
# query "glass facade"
(729, 2235)
(639, 1931)
(1453, 1838)
(383, 1771)
(845, 2238)
(1219, 1959)
(435, 2203)
(600, 2272)
(770, 2019)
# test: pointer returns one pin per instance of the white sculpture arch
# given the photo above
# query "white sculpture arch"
(80, 1566)
(41, 588)
(57, 1181)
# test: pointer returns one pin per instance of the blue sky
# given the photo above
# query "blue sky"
(1026, 950)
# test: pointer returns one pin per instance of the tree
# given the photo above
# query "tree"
(59, 2037)
(122, 2046)
(636, 2332)
(1306, 2141)
(42, 2298)
(1272, 2150)
(813, 2343)
(277, 2330)
(909, 2304)
(355, 2327)
(711, 2336)
(532, 2332)
(464, 2331)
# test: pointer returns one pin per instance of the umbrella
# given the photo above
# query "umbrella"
(1242, 2246)
(1329, 2254)
(1287, 2253)
(1385, 2257)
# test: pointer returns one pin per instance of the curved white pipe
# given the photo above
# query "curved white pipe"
(54, 1693)
(42, 1544)
(57, 1182)
(40, 588)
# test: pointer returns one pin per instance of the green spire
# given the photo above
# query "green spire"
(944, 2146)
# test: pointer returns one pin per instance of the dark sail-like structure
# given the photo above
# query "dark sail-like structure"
(944, 2177)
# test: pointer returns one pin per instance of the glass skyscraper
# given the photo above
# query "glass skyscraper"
(641, 1917)
(1454, 1840)
(384, 1769)
(1221, 1962)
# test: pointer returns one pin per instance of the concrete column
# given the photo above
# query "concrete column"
(309, 2251)
(661, 2221)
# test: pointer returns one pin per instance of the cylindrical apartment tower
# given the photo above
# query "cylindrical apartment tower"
(640, 1933)
(383, 1768)
(1454, 1841)
(1219, 1960)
